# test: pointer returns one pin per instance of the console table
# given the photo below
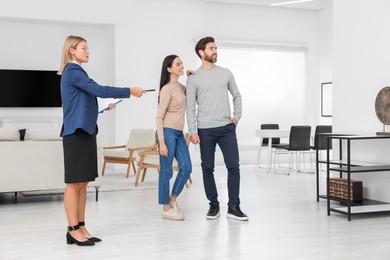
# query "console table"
(348, 167)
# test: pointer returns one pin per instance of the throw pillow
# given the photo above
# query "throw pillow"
(22, 133)
(9, 134)
(42, 134)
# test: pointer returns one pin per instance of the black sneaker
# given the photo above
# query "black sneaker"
(213, 212)
(236, 213)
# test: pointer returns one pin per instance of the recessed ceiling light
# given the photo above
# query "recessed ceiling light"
(291, 2)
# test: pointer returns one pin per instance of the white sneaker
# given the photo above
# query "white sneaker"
(173, 214)
(174, 205)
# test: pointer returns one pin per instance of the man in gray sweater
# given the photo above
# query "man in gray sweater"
(210, 122)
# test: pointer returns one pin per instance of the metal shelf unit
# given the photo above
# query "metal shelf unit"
(349, 167)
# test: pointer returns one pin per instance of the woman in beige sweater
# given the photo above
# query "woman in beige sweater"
(171, 142)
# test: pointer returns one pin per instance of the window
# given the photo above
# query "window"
(272, 82)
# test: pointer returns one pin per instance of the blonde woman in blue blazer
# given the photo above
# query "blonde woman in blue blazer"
(79, 129)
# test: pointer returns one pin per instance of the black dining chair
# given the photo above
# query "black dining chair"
(321, 141)
(299, 144)
(270, 126)
(266, 140)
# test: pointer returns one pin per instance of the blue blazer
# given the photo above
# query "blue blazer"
(79, 103)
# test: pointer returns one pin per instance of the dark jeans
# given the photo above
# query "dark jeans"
(225, 137)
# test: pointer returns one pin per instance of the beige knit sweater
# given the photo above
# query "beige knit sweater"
(171, 109)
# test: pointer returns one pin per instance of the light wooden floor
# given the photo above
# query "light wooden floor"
(285, 222)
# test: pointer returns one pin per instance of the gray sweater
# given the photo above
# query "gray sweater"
(208, 98)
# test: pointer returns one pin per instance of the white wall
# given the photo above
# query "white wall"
(325, 36)
(36, 45)
(361, 56)
(144, 32)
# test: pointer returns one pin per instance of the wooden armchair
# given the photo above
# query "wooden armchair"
(150, 158)
(139, 140)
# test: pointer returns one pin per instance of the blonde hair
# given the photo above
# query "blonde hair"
(70, 42)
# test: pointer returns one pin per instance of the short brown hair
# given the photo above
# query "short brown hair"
(201, 45)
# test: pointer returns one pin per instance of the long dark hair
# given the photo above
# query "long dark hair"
(165, 75)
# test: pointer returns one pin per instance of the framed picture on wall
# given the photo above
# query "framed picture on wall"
(326, 99)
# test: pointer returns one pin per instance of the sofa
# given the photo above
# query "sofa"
(31, 160)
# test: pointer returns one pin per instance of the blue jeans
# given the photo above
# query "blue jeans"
(225, 137)
(177, 148)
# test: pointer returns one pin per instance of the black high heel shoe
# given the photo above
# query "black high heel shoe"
(93, 239)
(71, 240)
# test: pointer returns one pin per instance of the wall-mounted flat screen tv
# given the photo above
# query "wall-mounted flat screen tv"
(29, 88)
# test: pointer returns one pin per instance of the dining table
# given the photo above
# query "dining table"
(270, 134)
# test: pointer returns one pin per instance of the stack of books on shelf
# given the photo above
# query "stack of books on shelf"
(338, 188)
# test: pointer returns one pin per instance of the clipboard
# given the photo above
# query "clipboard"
(103, 103)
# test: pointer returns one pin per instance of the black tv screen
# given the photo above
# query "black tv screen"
(29, 88)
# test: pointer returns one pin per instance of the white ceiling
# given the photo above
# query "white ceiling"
(313, 5)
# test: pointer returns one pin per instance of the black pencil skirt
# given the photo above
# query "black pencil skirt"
(80, 157)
